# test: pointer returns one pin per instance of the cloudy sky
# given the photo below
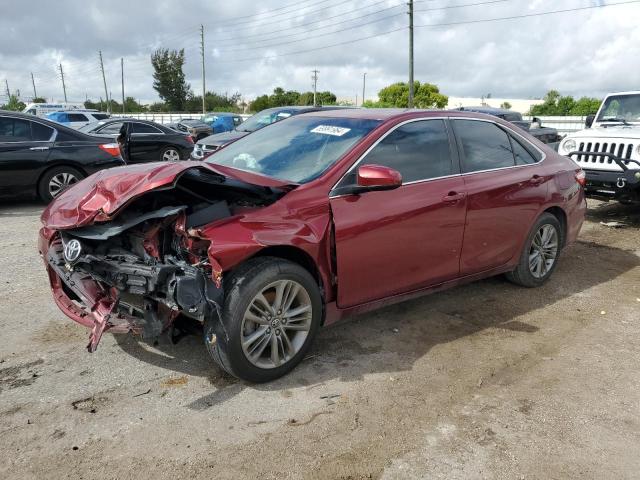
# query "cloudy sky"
(252, 47)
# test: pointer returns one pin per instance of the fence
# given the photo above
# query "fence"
(165, 117)
(564, 125)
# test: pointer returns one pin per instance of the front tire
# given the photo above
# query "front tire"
(540, 254)
(57, 180)
(271, 314)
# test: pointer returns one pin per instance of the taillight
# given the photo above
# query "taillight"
(112, 149)
(581, 177)
(189, 138)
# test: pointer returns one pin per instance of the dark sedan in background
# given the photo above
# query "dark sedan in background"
(261, 119)
(41, 157)
(196, 128)
(146, 141)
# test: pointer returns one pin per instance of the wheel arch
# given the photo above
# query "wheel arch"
(295, 255)
(56, 164)
(561, 215)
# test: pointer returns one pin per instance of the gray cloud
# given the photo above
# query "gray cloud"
(581, 53)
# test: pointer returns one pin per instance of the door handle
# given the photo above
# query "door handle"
(453, 197)
(536, 180)
(39, 149)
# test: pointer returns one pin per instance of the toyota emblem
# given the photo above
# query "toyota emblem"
(72, 250)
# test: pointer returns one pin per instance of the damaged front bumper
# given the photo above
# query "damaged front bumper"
(124, 293)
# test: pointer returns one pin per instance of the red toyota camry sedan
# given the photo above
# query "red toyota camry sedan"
(304, 222)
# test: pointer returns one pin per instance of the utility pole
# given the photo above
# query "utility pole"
(104, 80)
(122, 73)
(6, 83)
(315, 86)
(410, 53)
(33, 82)
(202, 53)
(64, 87)
(364, 83)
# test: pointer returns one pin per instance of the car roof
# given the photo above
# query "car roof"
(488, 110)
(386, 114)
(222, 114)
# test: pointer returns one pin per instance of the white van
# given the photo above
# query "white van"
(41, 109)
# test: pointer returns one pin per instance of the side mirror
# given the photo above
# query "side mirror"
(377, 177)
(589, 121)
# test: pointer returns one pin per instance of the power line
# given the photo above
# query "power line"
(387, 32)
(537, 14)
(231, 23)
(295, 5)
(307, 37)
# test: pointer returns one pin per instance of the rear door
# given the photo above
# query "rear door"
(146, 143)
(24, 149)
(391, 242)
(505, 190)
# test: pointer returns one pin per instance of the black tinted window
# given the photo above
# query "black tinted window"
(76, 117)
(418, 150)
(14, 130)
(100, 116)
(40, 133)
(523, 157)
(485, 145)
(144, 128)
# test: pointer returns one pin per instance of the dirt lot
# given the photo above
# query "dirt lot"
(483, 381)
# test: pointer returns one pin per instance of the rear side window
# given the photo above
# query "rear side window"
(14, 130)
(76, 117)
(100, 116)
(418, 150)
(237, 121)
(144, 128)
(41, 133)
(484, 144)
(522, 155)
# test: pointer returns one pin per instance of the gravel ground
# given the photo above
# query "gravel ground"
(483, 381)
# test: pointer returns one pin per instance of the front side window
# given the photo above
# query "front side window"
(485, 145)
(418, 150)
(297, 150)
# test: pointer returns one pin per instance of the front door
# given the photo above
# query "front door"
(392, 242)
(24, 149)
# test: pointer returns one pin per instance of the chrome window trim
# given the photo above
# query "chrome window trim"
(51, 139)
(461, 174)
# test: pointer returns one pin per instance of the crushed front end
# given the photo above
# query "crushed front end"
(148, 263)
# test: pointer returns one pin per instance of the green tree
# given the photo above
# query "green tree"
(259, 103)
(39, 100)
(168, 78)
(555, 104)
(425, 95)
(505, 105)
(14, 104)
(322, 98)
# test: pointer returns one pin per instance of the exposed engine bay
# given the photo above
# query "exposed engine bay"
(150, 263)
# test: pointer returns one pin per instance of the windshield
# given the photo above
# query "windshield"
(264, 118)
(297, 150)
(620, 108)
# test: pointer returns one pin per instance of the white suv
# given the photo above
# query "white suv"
(77, 118)
(608, 149)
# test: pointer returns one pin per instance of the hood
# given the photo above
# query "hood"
(99, 197)
(223, 138)
(628, 132)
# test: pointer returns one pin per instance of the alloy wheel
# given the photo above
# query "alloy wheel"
(60, 182)
(543, 251)
(171, 155)
(276, 324)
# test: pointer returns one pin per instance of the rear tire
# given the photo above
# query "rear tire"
(55, 180)
(243, 341)
(541, 252)
(170, 154)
